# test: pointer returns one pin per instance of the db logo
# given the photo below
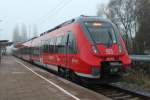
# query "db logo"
(109, 51)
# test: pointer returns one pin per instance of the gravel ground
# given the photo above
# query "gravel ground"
(133, 87)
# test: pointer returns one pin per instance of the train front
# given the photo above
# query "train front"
(108, 46)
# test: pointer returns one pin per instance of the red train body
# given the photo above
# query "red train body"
(89, 47)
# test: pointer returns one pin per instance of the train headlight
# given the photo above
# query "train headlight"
(95, 71)
(95, 51)
(120, 49)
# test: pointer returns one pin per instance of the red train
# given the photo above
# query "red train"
(85, 47)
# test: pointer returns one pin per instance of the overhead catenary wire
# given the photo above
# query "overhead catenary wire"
(45, 15)
(57, 11)
(53, 11)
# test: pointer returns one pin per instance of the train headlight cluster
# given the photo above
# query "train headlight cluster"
(95, 71)
(120, 49)
(95, 50)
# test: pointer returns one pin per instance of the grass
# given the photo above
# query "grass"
(140, 77)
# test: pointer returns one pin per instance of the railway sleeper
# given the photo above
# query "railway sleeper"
(125, 97)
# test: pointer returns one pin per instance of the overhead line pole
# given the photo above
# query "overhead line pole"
(0, 48)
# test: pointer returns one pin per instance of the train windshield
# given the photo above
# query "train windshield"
(101, 32)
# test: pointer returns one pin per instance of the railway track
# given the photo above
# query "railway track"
(117, 93)
(114, 92)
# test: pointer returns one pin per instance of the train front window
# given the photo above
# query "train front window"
(101, 32)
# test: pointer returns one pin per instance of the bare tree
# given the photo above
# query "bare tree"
(16, 36)
(132, 16)
(24, 33)
(35, 30)
(122, 13)
(143, 34)
(101, 10)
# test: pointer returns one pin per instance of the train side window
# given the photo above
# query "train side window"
(71, 44)
(56, 48)
(63, 48)
(52, 45)
(45, 47)
(36, 51)
(58, 42)
(41, 44)
(59, 45)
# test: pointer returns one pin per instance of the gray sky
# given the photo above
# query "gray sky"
(44, 13)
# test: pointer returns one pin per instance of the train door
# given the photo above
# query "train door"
(71, 50)
(68, 54)
(62, 51)
(41, 48)
(45, 51)
(30, 51)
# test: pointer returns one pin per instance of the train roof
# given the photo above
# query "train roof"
(92, 18)
(78, 19)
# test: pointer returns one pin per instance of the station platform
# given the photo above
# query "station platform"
(20, 80)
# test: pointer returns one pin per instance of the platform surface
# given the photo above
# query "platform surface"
(20, 80)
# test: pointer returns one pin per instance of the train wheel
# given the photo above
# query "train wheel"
(67, 74)
(31, 61)
(70, 75)
(74, 78)
(61, 71)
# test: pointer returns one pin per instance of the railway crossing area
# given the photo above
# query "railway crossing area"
(20, 80)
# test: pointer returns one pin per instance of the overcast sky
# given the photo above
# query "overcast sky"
(44, 13)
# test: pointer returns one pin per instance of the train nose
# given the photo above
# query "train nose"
(110, 68)
(113, 50)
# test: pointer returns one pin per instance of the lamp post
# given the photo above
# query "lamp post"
(0, 48)
(0, 54)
